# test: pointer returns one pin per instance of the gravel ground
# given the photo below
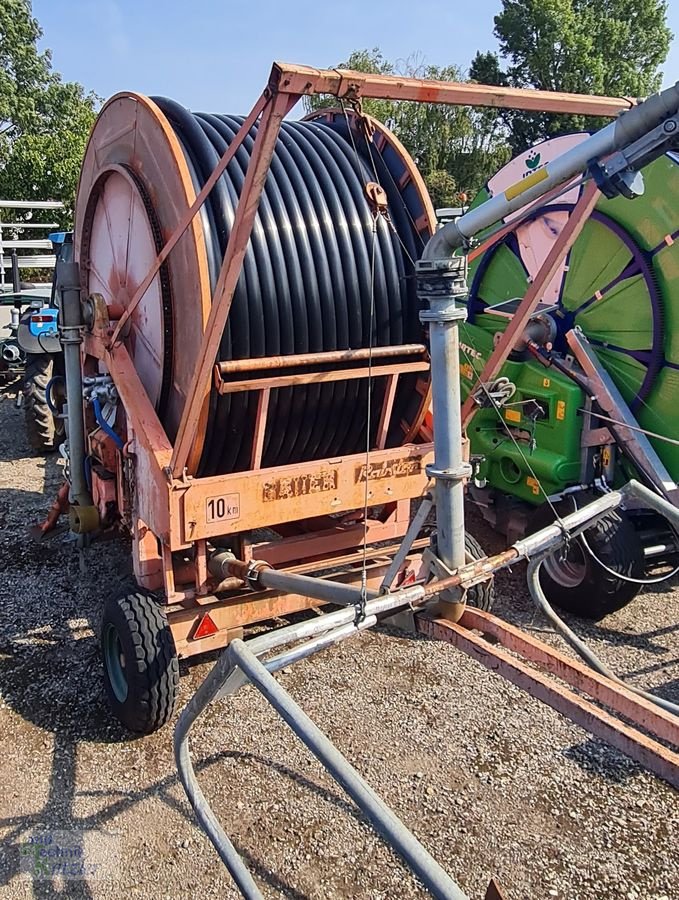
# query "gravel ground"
(493, 782)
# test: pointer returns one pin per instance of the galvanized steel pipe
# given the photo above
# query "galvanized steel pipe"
(71, 323)
(449, 468)
(238, 656)
(631, 125)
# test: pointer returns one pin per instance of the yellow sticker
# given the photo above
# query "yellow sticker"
(560, 409)
(606, 457)
(533, 485)
(467, 371)
(534, 178)
(546, 382)
(512, 415)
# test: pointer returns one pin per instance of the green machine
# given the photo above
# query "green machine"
(590, 394)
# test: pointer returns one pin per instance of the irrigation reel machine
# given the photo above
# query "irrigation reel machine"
(258, 317)
(586, 398)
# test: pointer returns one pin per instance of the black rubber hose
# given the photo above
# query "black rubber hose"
(583, 651)
(350, 185)
(344, 279)
(305, 320)
(288, 276)
(306, 281)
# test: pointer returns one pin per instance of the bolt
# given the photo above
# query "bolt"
(670, 126)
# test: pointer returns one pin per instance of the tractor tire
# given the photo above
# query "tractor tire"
(141, 669)
(45, 433)
(481, 596)
(577, 583)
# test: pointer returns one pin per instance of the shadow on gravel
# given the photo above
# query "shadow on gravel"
(601, 759)
(50, 675)
(640, 640)
(62, 817)
(669, 690)
(49, 667)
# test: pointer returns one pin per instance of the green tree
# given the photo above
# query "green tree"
(442, 188)
(44, 121)
(612, 47)
(456, 148)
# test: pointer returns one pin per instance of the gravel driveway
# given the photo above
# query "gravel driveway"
(493, 782)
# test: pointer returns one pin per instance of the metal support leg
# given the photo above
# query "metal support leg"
(414, 529)
(387, 824)
(84, 516)
(440, 283)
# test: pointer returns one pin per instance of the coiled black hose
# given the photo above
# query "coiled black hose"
(306, 282)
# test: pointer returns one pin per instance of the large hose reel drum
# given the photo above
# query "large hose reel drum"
(619, 283)
(317, 249)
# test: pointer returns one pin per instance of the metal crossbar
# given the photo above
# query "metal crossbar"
(239, 664)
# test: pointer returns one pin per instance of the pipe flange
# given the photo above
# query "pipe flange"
(451, 314)
(442, 265)
(462, 473)
(71, 334)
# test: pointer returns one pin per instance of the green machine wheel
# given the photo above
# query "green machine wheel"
(620, 285)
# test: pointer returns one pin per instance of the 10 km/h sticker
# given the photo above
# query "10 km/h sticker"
(222, 508)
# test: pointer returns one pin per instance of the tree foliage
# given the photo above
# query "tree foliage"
(44, 121)
(611, 47)
(456, 148)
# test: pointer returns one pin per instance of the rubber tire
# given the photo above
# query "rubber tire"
(614, 540)
(151, 664)
(45, 434)
(481, 596)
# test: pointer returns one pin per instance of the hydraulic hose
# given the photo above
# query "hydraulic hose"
(322, 272)
(549, 359)
(103, 424)
(579, 646)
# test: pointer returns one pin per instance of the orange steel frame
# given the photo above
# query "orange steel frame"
(173, 513)
(529, 665)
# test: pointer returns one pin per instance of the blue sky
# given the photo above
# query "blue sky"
(216, 56)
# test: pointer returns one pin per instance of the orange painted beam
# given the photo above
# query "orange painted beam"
(349, 85)
(649, 753)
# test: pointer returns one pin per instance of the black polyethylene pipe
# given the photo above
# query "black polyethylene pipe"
(315, 251)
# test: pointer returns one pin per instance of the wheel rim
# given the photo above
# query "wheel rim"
(569, 571)
(114, 660)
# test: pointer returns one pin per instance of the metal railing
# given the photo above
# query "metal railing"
(9, 240)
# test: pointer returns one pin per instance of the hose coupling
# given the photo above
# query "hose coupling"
(441, 280)
(223, 564)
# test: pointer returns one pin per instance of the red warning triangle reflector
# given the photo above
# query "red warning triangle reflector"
(206, 627)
